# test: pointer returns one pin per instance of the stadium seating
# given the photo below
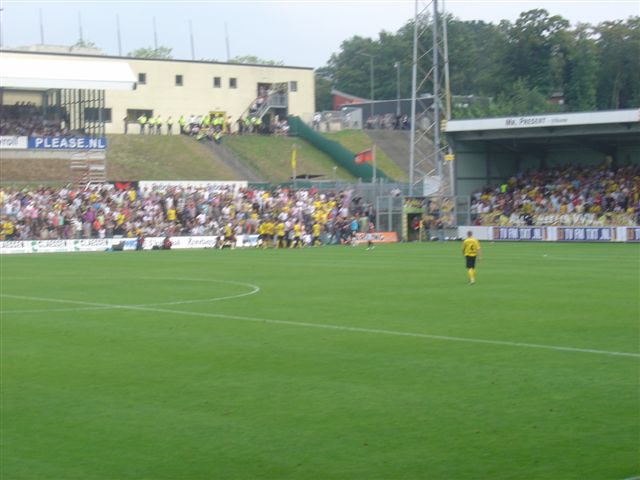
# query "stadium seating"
(562, 195)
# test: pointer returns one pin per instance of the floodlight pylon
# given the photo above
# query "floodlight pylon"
(430, 65)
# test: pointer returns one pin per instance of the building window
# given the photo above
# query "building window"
(293, 86)
(216, 82)
(93, 114)
(142, 78)
(178, 80)
(233, 82)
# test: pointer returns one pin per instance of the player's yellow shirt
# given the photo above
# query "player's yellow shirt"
(269, 227)
(7, 228)
(470, 247)
(280, 229)
(297, 228)
(316, 229)
(171, 214)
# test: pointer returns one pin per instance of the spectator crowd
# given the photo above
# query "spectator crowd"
(562, 195)
(279, 216)
(388, 121)
(209, 126)
(26, 119)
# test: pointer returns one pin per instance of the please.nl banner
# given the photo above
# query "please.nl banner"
(67, 143)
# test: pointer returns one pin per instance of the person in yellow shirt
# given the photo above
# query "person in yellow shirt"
(229, 238)
(315, 234)
(471, 252)
(8, 229)
(270, 231)
(297, 232)
(280, 241)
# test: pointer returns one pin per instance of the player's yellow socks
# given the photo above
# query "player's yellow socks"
(472, 271)
(469, 274)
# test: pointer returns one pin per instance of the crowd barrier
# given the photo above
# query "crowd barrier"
(510, 234)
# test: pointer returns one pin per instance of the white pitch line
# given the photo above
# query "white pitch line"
(333, 327)
(254, 289)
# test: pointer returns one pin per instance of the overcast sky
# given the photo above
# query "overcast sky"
(301, 32)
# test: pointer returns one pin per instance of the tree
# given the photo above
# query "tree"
(518, 65)
(253, 60)
(618, 47)
(82, 43)
(581, 72)
(477, 57)
(150, 52)
(533, 46)
(323, 92)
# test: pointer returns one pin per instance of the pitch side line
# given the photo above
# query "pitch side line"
(326, 326)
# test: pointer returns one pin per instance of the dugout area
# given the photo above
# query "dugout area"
(489, 151)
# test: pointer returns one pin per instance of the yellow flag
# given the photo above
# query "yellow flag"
(294, 161)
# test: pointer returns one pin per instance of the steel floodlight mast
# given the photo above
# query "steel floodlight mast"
(422, 164)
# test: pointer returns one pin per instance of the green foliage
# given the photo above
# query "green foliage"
(581, 72)
(533, 45)
(618, 46)
(150, 52)
(516, 99)
(517, 65)
(82, 43)
(323, 93)
(253, 60)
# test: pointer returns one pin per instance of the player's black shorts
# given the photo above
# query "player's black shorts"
(471, 262)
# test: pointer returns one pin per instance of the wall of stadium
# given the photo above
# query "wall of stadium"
(197, 95)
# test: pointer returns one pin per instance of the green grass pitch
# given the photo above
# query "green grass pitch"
(327, 363)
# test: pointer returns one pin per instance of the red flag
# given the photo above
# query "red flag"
(363, 156)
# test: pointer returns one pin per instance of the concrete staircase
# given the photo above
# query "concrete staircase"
(88, 167)
(242, 170)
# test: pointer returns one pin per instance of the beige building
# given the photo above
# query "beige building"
(183, 87)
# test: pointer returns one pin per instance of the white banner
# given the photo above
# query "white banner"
(13, 143)
(554, 234)
(146, 186)
(107, 244)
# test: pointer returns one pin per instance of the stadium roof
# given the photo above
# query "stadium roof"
(545, 121)
(76, 54)
(36, 73)
(598, 129)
